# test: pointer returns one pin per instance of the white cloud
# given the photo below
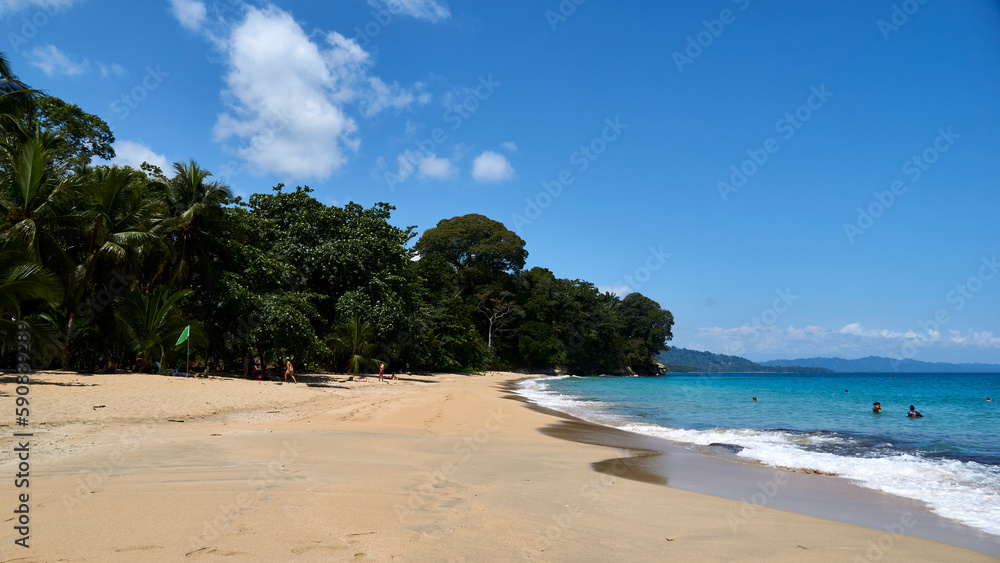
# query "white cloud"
(427, 166)
(190, 13)
(407, 162)
(850, 341)
(131, 153)
(288, 95)
(385, 96)
(52, 61)
(491, 167)
(509, 145)
(51, 7)
(432, 11)
(107, 70)
(437, 168)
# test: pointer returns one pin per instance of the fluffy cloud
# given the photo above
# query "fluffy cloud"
(131, 153)
(427, 166)
(437, 168)
(383, 96)
(509, 145)
(190, 13)
(107, 70)
(52, 61)
(427, 10)
(288, 95)
(491, 167)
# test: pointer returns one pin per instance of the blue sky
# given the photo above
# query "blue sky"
(789, 179)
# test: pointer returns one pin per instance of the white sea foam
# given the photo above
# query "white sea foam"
(963, 490)
(537, 391)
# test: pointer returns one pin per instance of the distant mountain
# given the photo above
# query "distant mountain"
(682, 360)
(876, 364)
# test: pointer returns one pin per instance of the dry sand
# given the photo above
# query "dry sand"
(437, 468)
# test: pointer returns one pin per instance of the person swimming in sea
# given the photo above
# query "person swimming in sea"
(913, 413)
(877, 407)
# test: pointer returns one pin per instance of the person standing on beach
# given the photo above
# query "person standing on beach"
(246, 365)
(381, 370)
(289, 370)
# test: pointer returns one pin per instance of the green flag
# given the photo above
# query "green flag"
(184, 335)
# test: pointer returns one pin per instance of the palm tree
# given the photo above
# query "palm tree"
(114, 216)
(356, 340)
(152, 322)
(120, 218)
(17, 101)
(196, 218)
(34, 198)
(21, 280)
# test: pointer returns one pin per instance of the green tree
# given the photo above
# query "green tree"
(355, 341)
(647, 328)
(35, 198)
(22, 280)
(81, 135)
(152, 322)
(17, 101)
(443, 333)
(195, 221)
(480, 249)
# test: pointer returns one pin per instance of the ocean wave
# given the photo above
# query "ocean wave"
(966, 491)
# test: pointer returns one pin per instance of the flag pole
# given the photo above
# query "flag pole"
(189, 358)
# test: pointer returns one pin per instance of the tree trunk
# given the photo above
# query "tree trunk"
(64, 353)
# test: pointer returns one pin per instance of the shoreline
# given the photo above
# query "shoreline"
(658, 461)
(429, 468)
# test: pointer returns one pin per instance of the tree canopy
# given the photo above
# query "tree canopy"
(109, 264)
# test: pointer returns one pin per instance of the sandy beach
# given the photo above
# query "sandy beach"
(137, 467)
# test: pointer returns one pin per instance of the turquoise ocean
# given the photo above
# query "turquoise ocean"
(949, 459)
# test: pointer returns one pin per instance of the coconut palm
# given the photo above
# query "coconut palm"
(196, 218)
(16, 102)
(35, 198)
(152, 322)
(356, 341)
(22, 280)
